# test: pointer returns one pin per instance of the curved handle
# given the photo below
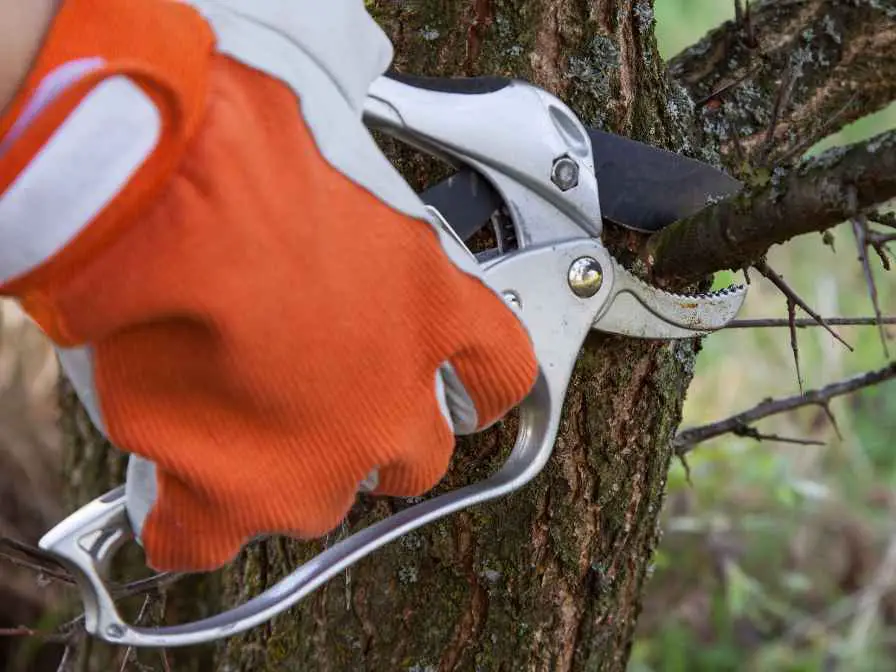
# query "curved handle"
(557, 321)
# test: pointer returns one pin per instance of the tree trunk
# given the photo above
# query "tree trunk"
(550, 578)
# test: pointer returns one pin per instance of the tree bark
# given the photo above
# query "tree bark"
(550, 578)
(783, 75)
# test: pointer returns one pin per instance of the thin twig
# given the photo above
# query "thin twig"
(794, 342)
(782, 100)
(727, 86)
(878, 242)
(860, 230)
(880, 238)
(801, 323)
(752, 433)
(21, 631)
(65, 661)
(826, 407)
(143, 586)
(39, 569)
(43, 635)
(785, 289)
(883, 218)
(687, 439)
(138, 587)
(40, 560)
(147, 602)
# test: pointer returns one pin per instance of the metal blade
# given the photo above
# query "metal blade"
(647, 188)
(639, 310)
(466, 199)
(641, 187)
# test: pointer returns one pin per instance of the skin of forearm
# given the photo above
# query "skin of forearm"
(23, 24)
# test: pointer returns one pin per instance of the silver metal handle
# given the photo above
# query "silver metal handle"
(557, 321)
(514, 136)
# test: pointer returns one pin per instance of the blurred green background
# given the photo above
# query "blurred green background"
(781, 556)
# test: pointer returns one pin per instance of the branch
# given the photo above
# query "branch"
(862, 234)
(685, 441)
(815, 196)
(795, 298)
(802, 323)
(790, 72)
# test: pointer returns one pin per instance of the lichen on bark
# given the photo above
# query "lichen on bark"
(805, 67)
(550, 577)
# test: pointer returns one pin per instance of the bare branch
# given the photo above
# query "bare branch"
(753, 433)
(826, 407)
(842, 56)
(48, 637)
(685, 441)
(38, 569)
(883, 218)
(65, 661)
(815, 196)
(801, 323)
(128, 652)
(860, 230)
(794, 298)
(794, 342)
(18, 632)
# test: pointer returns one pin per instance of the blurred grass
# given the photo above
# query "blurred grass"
(767, 557)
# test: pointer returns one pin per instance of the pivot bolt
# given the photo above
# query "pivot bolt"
(585, 277)
(565, 173)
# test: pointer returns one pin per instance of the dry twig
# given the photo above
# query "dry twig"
(801, 323)
(685, 441)
(795, 298)
(861, 232)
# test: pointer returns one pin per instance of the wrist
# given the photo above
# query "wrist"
(23, 26)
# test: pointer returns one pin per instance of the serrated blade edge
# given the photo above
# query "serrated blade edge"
(640, 310)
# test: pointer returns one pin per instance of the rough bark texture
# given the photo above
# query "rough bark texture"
(806, 67)
(550, 578)
(816, 196)
(768, 86)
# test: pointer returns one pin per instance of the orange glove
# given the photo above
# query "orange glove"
(261, 313)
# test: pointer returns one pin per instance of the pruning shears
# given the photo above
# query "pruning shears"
(528, 168)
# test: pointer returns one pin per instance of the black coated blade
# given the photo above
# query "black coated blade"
(466, 201)
(647, 188)
(641, 187)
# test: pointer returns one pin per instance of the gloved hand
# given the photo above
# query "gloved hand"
(262, 315)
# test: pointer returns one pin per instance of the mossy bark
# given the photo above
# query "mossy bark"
(550, 578)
